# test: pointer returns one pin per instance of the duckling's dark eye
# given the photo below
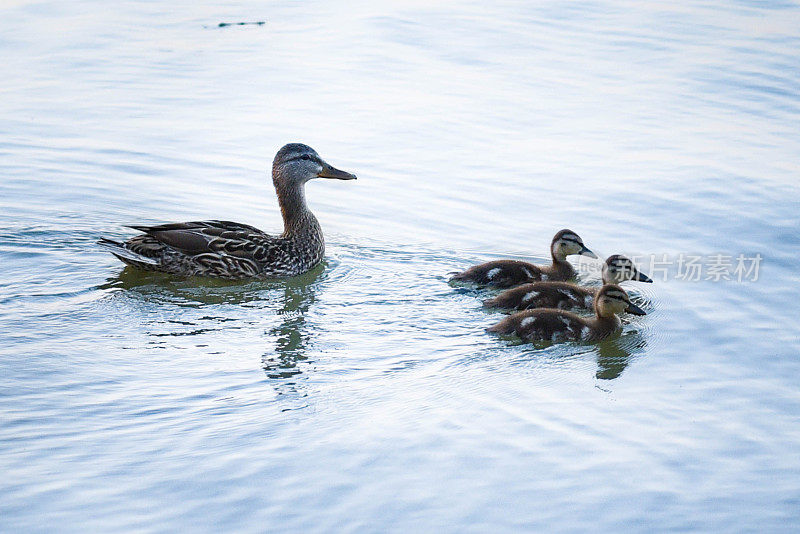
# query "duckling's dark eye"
(305, 157)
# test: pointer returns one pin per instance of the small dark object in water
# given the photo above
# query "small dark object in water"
(257, 23)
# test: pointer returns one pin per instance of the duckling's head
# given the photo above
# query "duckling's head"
(618, 268)
(612, 299)
(566, 243)
(296, 163)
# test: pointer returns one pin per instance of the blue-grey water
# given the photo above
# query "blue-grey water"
(365, 396)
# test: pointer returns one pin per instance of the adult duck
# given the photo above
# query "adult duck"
(226, 249)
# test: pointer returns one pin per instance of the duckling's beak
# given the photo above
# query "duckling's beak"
(634, 309)
(586, 252)
(642, 278)
(329, 171)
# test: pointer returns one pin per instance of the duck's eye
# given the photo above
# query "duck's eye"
(306, 157)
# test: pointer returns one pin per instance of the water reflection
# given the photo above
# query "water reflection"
(289, 300)
(189, 291)
(291, 335)
(614, 354)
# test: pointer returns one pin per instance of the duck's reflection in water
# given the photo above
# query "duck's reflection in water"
(291, 334)
(290, 299)
(614, 354)
(188, 292)
(284, 365)
(195, 307)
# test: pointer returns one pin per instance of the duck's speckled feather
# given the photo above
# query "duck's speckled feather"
(223, 249)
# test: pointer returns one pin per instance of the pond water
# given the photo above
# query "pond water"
(365, 395)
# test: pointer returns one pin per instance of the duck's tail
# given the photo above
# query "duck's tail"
(128, 256)
(491, 303)
(503, 327)
(457, 276)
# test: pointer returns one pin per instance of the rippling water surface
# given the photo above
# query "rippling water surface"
(365, 396)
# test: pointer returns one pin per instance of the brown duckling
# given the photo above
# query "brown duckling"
(565, 295)
(549, 324)
(508, 273)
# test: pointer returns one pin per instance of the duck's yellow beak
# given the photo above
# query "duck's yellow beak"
(329, 171)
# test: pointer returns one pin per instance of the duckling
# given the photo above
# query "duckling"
(564, 295)
(549, 324)
(508, 273)
(226, 249)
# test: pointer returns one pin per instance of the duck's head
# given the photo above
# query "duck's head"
(618, 268)
(612, 299)
(566, 243)
(296, 163)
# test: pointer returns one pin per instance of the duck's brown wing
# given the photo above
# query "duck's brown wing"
(199, 237)
(500, 273)
(543, 324)
(221, 248)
